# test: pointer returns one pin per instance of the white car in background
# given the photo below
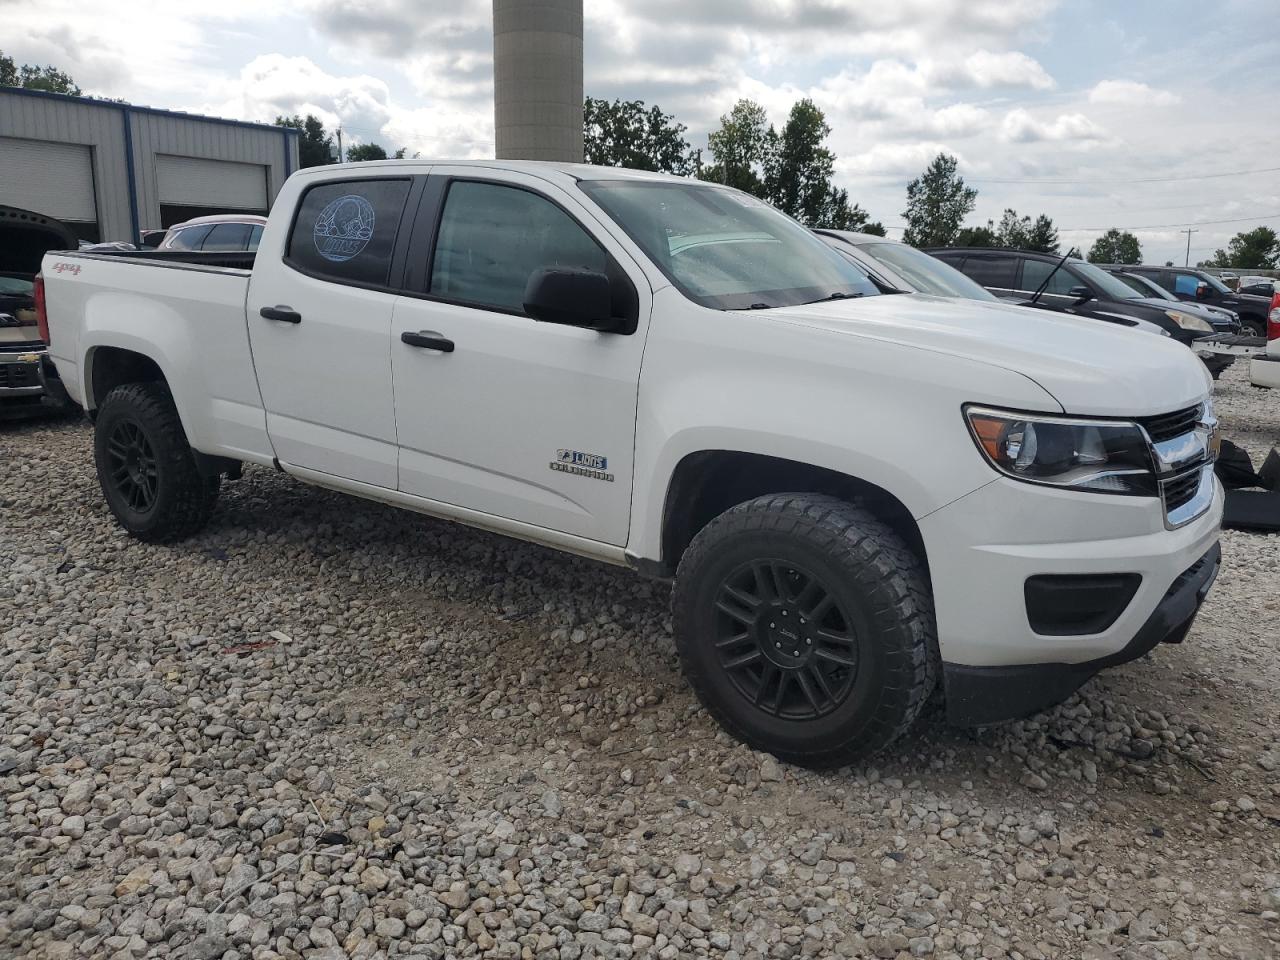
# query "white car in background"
(223, 232)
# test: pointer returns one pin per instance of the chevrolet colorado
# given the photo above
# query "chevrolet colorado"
(857, 494)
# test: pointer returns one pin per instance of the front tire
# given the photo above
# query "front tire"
(805, 626)
(146, 468)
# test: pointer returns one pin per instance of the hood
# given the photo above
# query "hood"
(1090, 367)
(25, 237)
(1218, 315)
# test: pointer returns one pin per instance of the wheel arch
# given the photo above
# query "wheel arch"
(107, 367)
(706, 483)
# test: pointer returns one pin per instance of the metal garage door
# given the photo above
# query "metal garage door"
(55, 179)
(221, 184)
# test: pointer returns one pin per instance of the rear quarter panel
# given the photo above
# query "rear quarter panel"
(189, 320)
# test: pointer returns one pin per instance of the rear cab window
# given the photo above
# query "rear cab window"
(345, 230)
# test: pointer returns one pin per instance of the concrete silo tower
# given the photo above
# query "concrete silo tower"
(537, 79)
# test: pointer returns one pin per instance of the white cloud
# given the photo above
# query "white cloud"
(1020, 126)
(1132, 93)
(893, 159)
(1010, 69)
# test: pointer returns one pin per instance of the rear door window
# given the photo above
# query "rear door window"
(255, 236)
(227, 237)
(189, 238)
(345, 230)
(991, 269)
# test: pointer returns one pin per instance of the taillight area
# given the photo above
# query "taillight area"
(42, 314)
(1273, 319)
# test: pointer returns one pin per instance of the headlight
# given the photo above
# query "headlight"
(1187, 322)
(1102, 456)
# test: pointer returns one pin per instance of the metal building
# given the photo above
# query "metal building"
(537, 79)
(110, 170)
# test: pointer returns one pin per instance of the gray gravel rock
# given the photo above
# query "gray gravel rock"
(326, 728)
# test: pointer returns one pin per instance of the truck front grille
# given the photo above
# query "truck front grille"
(1182, 445)
(15, 376)
(1179, 491)
(1166, 426)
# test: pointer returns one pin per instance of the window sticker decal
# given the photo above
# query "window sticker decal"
(344, 228)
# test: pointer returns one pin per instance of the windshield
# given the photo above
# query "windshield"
(1214, 282)
(15, 285)
(725, 249)
(1112, 286)
(926, 274)
(1144, 287)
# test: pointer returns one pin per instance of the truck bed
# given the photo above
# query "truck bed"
(186, 311)
(195, 258)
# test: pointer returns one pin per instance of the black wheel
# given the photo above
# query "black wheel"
(1254, 326)
(145, 466)
(805, 626)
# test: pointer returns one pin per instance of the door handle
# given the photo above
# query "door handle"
(429, 339)
(282, 313)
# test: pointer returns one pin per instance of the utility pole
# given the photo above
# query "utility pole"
(1188, 232)
(342, 159)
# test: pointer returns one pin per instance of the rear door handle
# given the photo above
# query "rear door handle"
(282, 313)
(429, 339)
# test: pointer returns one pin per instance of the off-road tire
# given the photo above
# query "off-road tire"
(183, 499)
(865, 566)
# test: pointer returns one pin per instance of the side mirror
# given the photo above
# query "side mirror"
(1081, 294)
(574, 297)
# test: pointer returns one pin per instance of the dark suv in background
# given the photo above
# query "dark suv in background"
(1197, 286)
(1074, 287)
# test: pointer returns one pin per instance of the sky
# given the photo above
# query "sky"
(1099, 113)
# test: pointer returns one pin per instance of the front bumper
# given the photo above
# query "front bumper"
(29, 375)
(1265, 372)
(983, 548)
(982, 695)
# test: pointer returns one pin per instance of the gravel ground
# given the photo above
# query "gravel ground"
(325, 728)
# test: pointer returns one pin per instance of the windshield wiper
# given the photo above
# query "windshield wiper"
(838, 295)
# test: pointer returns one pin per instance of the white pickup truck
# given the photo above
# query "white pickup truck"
(856, 493)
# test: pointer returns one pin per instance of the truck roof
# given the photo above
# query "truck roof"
(572, 171)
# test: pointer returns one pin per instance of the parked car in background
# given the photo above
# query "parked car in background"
(857, 495)
(1259, 286)
(1071, 285)
(28, 379)
(225, 232)
(1229, 279)
(151, 239)
(1264, 371)
(1221, 319)
(900, 267)
(1199, 286)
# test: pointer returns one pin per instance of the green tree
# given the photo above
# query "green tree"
(741, 148)
(365, 151)
(797, 176)
(33, 77)
(627, 133)
(314, 143)
(1256, 249)
(1116, 246)
(1013, 230)
(1043, 235)
(937, 203)
(978, 236)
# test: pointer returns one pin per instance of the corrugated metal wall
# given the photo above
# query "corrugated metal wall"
(175, 136)
(101, 125)
(72, 121)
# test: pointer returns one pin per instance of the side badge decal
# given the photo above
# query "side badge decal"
(590, 465)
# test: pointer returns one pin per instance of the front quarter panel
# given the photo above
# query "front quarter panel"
(752, 381)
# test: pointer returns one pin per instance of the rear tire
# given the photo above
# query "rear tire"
(805, 626)
(146, 468)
